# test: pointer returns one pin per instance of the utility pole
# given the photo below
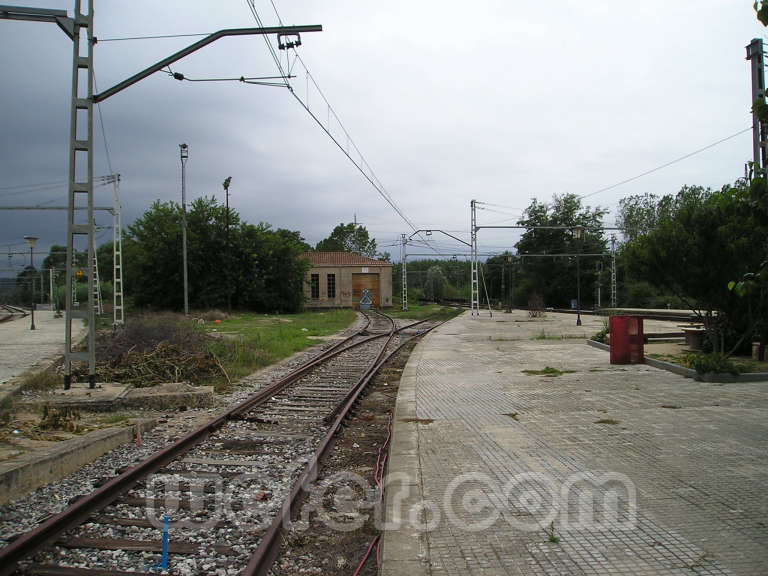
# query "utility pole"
(184, 152)
(403, 258)
(613, 270)
(475, 300)
(32, 240)
(50, 288)
(756, 57)
(229, 281)
(599, 269)
(81, 145)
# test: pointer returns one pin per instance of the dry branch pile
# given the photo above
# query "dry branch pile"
(154, 350)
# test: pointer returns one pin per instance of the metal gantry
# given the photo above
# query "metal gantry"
(80, 190)
(80, 182)
(403, 258)
(475, 301)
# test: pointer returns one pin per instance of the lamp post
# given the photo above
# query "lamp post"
(576, 231)
(32, 240)
(184, 150)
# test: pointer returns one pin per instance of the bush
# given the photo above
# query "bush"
(704, 363)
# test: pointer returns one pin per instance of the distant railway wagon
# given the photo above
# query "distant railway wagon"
(344, 280)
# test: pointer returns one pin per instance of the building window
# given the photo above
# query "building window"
(331, 285)
(314, 283)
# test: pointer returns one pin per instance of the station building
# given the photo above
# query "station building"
(337, 280)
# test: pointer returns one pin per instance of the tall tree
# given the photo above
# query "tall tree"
(266, 270)
(707, 239)
(349, 238)
(549, 234)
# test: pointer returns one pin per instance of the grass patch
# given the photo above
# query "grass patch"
(512, 415)
(43, 380)
(547, 371)
(424, 311)
(606, 421)
(671, 406)
(247, 342)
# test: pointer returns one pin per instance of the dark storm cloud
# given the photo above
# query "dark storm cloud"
(501, 102)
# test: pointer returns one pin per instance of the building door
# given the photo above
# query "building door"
(365, 281)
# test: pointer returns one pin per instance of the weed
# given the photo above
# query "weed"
(671, 406)
(606, 421)
(554, 538)
(698, 563)
(547, 371)
(424, 421)
(60, 419)
(44, 380)
(512, 415)
(544, 336)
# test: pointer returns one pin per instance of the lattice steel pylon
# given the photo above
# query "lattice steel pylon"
(403, 258)
(81, 153)
(98, 306)
(118, 317)
(475, 302)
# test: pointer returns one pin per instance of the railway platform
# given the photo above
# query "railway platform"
(22, 349)
(518, 449)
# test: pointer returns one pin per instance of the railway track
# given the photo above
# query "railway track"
(216, 499)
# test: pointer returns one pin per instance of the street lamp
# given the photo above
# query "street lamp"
(32, 240)
(184, 150)
(576, 231)
(511, 262)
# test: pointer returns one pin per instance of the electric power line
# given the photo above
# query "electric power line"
(681, 158)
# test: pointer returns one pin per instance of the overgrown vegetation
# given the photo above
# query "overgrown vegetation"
(424, 311)
(159, 348)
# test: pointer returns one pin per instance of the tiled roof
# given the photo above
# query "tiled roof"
(341, 259)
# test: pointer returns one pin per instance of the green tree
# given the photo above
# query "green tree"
(549, 233)
(267, 274)
(706, 239)
(435, 285)
(349, 238)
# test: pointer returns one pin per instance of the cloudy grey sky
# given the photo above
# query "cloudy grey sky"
(448, 101)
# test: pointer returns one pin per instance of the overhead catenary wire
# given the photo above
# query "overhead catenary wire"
(362, 165)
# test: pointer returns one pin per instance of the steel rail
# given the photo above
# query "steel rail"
(78, 512)
(85, 506)
(269, 546)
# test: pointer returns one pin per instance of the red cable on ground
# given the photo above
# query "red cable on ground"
(367, 554)
(378, 477)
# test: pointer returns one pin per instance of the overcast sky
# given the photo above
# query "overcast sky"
(492, 100)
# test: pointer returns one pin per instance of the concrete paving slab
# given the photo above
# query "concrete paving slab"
(22, 349)
(601, 470)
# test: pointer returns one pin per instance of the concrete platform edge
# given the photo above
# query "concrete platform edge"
(22, 475)
(688, 373)
(404, 549)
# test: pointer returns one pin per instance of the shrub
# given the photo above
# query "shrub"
(704, 363)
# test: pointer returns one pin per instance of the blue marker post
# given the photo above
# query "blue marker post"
(163, 565)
